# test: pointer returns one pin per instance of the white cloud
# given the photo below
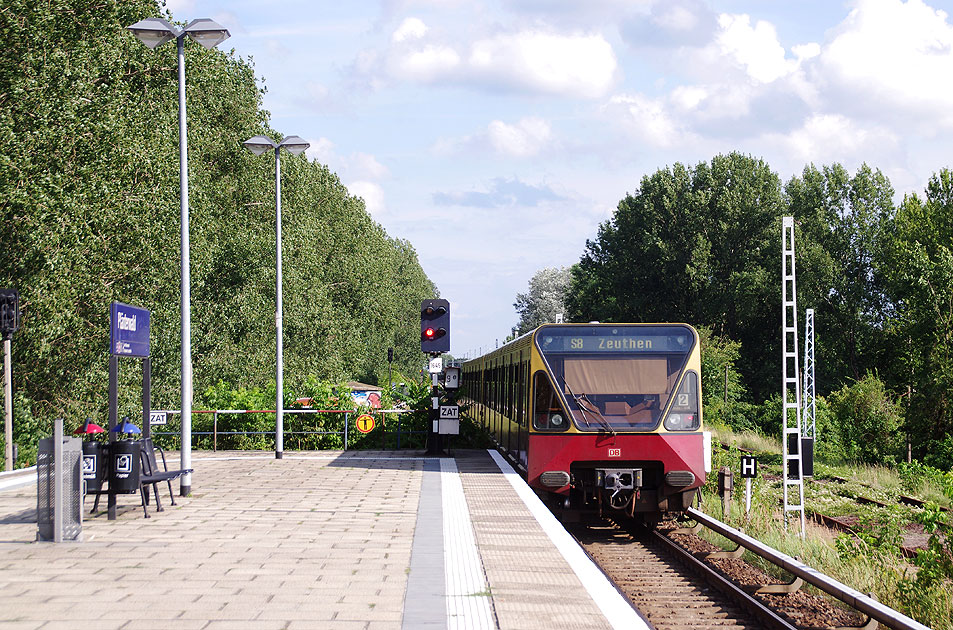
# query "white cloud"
(372, 194)
(525, 138)
(321, 150)
(892, 55)
(577, 65)
(429, 64)
(573, 65)
(366, 165)
(410, 28)
(806, 51)
(828, 138)
(677, 18)
(647, 119)
(356, 165)
(689, 97)
(756, 49)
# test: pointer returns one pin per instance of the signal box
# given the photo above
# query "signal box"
(435, 326)
(9, 312)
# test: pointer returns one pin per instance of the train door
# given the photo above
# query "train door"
(520, 418)
(496, 400)
(510, 416)
(501, 405)
(482, 404)
(527, 397)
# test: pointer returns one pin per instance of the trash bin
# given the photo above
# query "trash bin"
(94, 466)
(124, 468)
(59, 514)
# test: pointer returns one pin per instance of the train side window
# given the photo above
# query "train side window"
(547, 412)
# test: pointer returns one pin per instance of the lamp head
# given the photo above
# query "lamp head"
(154, 32)
(260, 144)
(294, 145)
(207, 32)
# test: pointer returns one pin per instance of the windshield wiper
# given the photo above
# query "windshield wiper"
(588, 407)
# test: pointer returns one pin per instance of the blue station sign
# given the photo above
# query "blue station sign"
(128, 330)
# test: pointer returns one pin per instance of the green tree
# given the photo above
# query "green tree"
(699, 245)
(544, 300)
(867, 420)
(842, 224)
(722, 389)
(89, 199)
(919, 265)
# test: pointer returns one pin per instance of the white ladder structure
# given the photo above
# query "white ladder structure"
(791, 431)
(809, 411)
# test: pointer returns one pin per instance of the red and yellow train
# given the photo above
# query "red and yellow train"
(599, 418)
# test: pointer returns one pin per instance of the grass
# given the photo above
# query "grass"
(869, 563)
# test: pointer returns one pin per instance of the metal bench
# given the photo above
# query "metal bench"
(152, 475)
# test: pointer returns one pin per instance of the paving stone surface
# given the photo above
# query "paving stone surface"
(531, 583)
(312, 541)
(309, 541)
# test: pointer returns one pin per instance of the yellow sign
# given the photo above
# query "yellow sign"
(365, 423)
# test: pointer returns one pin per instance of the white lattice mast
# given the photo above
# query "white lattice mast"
(790, 391)
(809, 409)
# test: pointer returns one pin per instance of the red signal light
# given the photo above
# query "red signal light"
(429, 333)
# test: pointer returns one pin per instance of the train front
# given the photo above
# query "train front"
(617, 423)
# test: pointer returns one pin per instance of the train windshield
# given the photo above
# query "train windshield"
(616, 377)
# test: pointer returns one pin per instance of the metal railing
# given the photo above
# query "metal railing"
(867, 605)
(344, 432)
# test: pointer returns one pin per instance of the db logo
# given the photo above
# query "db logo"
(615, 452)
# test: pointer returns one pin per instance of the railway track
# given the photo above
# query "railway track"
(680, 581)
(668, 595)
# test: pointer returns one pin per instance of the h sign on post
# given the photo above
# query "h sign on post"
(749, 470)
(749, 467)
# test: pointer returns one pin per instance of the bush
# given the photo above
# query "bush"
(27, 431)
(722, 390)
(867, 421)
(941, 453)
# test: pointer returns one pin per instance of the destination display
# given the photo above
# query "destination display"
(618, 339)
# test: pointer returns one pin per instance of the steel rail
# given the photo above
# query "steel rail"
(768, 617)
(867, 605)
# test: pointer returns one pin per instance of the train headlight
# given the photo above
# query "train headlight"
(556, 420)
(681, 422)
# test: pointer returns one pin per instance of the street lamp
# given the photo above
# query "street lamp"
(154, 32)
(294, 145)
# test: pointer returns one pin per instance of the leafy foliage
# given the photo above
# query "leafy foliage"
(867, 420)
(544, 300)
(722, 390)
(89, 197)
(919, 267)
(692, 244)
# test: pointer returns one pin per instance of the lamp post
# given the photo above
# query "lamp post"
(154, 32)
(294, 145)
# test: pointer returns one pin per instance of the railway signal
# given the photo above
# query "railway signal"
(435, 326)
(9, 312)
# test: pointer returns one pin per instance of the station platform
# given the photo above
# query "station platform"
(339, 540)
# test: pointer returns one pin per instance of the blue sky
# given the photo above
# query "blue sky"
(496, 136)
